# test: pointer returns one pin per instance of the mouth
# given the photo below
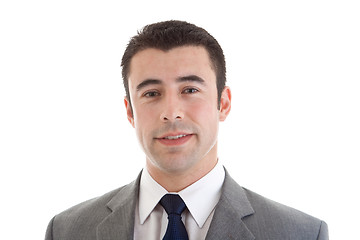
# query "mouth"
(174, 139)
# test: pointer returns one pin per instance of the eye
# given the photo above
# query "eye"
(151, 94)
(190, 90)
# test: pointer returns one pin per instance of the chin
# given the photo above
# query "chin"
(174, 165)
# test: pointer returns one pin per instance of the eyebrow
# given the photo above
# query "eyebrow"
(148, 82)
(189, 78)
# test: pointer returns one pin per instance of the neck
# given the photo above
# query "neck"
(177, 181)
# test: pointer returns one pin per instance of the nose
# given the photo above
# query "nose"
(172, 109)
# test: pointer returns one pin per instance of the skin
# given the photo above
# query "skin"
(174, 93)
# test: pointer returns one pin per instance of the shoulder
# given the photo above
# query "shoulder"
(268, 219)
(81, 220)
(282, 221)
(93, 207)
(267, 206)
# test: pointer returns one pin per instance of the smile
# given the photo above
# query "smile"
(175, 139)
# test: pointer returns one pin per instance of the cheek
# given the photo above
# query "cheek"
(204, 111)
(142, 114)
(143, 119)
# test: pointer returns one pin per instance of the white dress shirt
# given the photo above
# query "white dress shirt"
(200, 198)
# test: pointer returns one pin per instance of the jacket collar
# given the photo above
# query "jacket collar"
(233, 206)
(119, 224)
(227, 221)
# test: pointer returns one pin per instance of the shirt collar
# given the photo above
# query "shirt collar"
(200, 198)
(149, 195)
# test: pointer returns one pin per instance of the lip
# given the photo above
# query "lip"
(174, 142)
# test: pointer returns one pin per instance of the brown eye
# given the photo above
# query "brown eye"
(151, 94)
(190, 90)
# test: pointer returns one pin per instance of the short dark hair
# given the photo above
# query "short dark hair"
(168, 35)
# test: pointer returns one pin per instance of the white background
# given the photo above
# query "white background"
(293, 134)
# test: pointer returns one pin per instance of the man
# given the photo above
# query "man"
(174, 77)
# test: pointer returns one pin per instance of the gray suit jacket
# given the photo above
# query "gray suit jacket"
(240, 214)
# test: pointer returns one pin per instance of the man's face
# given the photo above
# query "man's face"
(174, 108)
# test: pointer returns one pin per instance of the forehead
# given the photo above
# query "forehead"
(179, 61)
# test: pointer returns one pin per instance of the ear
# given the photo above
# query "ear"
(129, 111)
(225, 104)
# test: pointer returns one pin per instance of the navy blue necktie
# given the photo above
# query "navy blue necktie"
(174, 206)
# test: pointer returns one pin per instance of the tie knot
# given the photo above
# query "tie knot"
(173, 204)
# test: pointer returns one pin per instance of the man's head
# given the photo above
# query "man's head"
(176, 107)
(171, 34)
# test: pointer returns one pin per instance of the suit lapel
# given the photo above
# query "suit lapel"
(233, 206)
(226, 224)
(119, 224)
